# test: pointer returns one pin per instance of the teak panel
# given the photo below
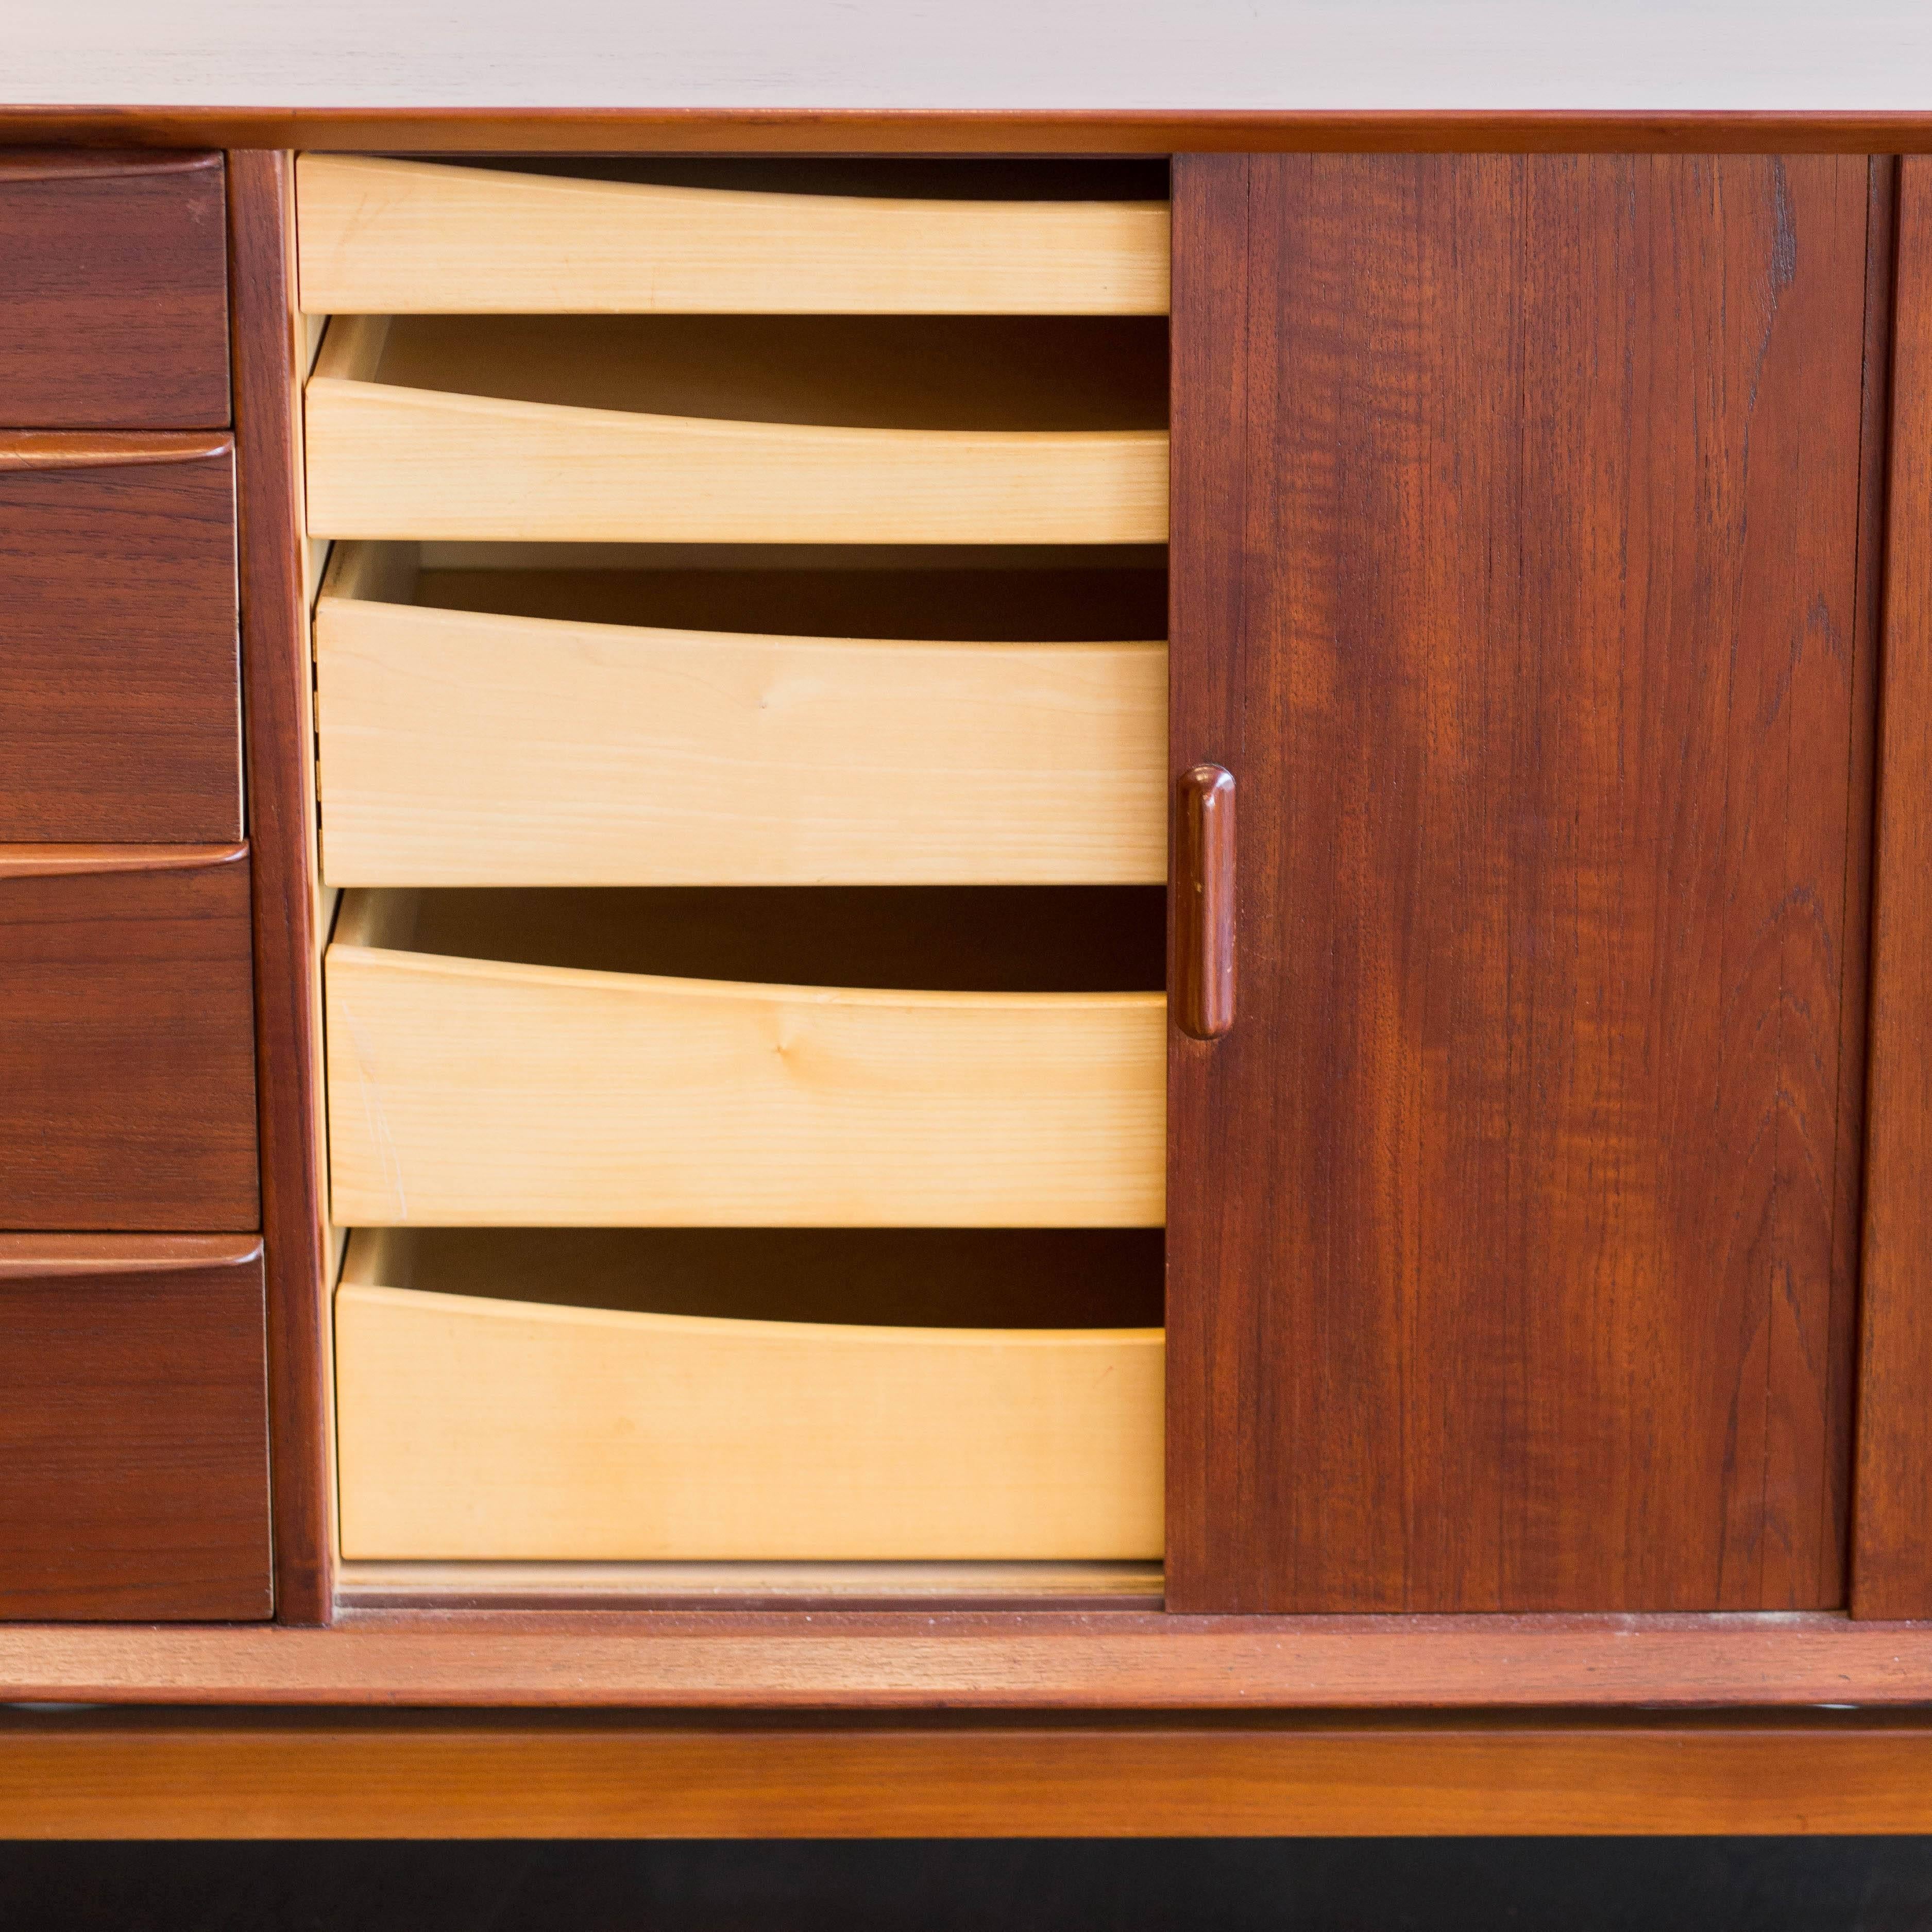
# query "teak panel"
(122, 717)
(1892, 1567)
(1515, 579)
(134, 1435)
(382, 236)
(126, 1057)
(270, 353)
(116, 308)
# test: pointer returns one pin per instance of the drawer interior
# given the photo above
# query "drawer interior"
(996, 373)
(934, 178)
(976, 939)
(1043, 595)
(1003, 1278)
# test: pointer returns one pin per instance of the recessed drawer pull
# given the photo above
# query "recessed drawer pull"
(1204, 875)
(84, 449)
(69, 861)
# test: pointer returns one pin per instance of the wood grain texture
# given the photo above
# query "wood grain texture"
(1892, 1571)
(464, 748)
(671, 429)
(1516, 579)
(105, 1774)
(471, 1429)
(1119, 1659)
(116, 314)
(270, 355)
(133, 1439)
(122, 713)
(467, 1090)
(387, 237)
(127, 1061)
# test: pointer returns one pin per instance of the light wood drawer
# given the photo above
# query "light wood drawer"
(485, 1065)
(736, 429)
(481, 1429)
(395, 237)
(469, 746)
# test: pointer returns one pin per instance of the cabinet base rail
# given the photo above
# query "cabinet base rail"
(979, 1659)
(265, 1774)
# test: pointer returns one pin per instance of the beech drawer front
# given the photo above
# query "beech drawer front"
(468, 748)
(120, 696)
(464, 1091)
(704, 430)
(115, 310)
(480, 1429)
(134, 1434)
(127, 1047)
(390, 237)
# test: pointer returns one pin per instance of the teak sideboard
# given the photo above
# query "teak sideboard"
(965, 969)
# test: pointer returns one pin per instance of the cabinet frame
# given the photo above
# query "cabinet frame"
(742, 1656)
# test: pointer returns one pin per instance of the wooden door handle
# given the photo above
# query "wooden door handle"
(1204, 884)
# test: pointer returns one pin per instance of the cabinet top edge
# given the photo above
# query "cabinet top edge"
(432, 130)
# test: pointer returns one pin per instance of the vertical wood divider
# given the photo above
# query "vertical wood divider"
(1891, 1545)
(278, 698)
(1208, 479)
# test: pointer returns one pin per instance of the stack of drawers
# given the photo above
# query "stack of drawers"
(133, 1459)
(741, 706)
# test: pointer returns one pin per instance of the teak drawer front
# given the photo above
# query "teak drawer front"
(476, 1428)
(120, 702)
(115, 314)
(392, 455)
(465, 748)
(127, 1044)
(466, 1091)
(134, 1431)
(390, 237)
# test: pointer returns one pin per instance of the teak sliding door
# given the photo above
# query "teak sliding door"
(1522, 578)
